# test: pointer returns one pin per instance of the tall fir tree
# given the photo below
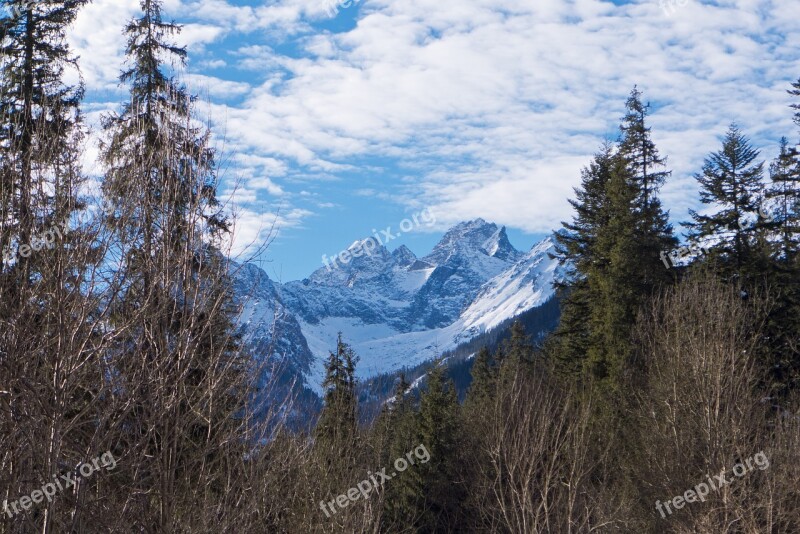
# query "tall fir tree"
(49, 366)
(438, 430)
(176, 351)
(647, 168)
(795, 91)
(40, 125)
(576, 251)
(646, 165)
(782, 334)
(611, 252)
(403, 496)
(783, 195)
(484, 382)
(336, 429)
(515, 356)
(615, 281)
(731, 180)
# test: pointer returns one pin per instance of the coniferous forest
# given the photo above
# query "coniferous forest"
(667, 399)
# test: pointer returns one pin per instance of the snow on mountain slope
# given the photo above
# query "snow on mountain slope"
(397, 310)
(524, 286)
(271, 334)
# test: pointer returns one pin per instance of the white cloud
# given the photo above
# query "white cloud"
(488, 107)
(253, 230)
(214, 87)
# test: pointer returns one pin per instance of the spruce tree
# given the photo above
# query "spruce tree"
(783, 324)
(611, 253)
(439, 479)
(783, 195)
(647, 169)
(731, 180)
(515, 357)
(176, 352)
(575, 249)
(484, 381)
(403, 495)
(40, 125)
(615, 281)
(50, 368)
(336, 428)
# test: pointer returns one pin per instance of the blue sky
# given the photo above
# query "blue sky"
(330, 127)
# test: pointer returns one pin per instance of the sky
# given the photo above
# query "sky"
(336, 121)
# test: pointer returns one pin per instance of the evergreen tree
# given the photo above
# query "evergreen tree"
(50, 367)
(403, 496)
(783, 324)
(731, 180)
(40, 125)
(784, 196)
(172, 305)
(636, 146)
(611, 252)
(484, 381)
(575, 249)
(336, 428)
(616, 281)
(515, 356)
(795, 91)
(438, 431)
(648, 171)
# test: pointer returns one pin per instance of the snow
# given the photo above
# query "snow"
(384, 309)
(410, 281)
(383, 349)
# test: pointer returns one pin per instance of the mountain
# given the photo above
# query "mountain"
(396, 310)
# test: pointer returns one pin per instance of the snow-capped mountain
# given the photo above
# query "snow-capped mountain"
(395, 309)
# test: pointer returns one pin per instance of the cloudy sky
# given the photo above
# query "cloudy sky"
(332, 121)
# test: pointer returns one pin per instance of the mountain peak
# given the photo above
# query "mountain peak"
(403, 256)
(365, 258)
(498, 246)
(474, 237)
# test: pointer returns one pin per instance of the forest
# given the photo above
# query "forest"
(666, 399)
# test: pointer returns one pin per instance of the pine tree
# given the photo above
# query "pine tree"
(484, 381)
(171, 305)
(336, 427)
(40, 125)
(575, 246)
(648, 171)
(732, 180)
(438, 431)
